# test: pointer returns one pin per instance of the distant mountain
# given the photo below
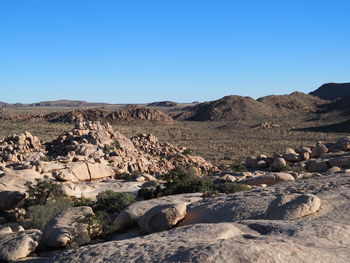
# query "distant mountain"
(163, 104)
(68, 103)
(332, 91)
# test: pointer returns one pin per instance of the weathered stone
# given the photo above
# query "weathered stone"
(162, 217)
(18, 245)
(131, 215)
(318, 150)
(11, 199)
(65, 229)
(15, 180)
(289, 207)
(268, 179)
(340, 161)
(317, 165)
(293, 157)
(251, 162)
(279, 163)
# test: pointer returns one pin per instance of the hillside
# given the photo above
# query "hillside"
(163, 104)
(296, 102)
(234, 108)
(229, 108)
(128, 115)
(332, 91)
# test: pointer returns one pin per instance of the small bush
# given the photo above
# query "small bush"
(229, 188)
(188, 151)
(238, 167)
(98, 225)
(43, 191)
(82, 201)
(39, 215)
(112, 202)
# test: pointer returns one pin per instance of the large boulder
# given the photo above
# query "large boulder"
(317, 165)
(132, 214)
(11, 199)
(289, 207)
(17, 245)
(83, 171)
(279, 163)
(15, 180)
(271, 178)
(344, 143)
(162, 217)
(318, 150)
(64, 229)
(340, 161)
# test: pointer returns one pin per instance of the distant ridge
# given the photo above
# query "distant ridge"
(332, 91)
(68, 103)
(235, 108)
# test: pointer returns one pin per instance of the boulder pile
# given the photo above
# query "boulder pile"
(321, 157)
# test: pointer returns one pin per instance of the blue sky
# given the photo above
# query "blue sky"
(183, 50)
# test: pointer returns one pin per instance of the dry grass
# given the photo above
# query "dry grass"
(215, 141)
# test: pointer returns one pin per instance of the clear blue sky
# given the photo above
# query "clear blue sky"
(182, 50)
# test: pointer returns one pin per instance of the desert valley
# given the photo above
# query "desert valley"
(232, 180)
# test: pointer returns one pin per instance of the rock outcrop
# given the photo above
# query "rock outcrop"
(16, 245)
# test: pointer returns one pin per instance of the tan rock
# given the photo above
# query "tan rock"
(289, 207)
(162, 217)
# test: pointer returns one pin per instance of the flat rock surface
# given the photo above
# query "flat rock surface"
(233, 228)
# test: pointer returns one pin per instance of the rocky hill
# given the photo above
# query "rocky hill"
(332, 91)
(163, 104)
(296, 102)
(130, 114)
(234, 108)
(229, 108)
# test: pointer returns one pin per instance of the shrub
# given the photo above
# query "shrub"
(112, 202)
(188, 151)
(43, 191)
(98, 225)
(229, 188)
(238, 167)
(82, 201)
(39, 215)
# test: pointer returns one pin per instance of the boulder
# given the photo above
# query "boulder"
(251, 162)
(279, 163)
(11, 199)
(268, 179)
(340, 161)
(83, 171)
(293, 157)
(64, 229)
(18, 245)
(15, 180)
(317, 165)
(162, 217)
(318, 150)
(131, 215)
(289, 207)
(344, 143)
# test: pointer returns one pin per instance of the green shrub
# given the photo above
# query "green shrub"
(43, 191)
(98, 225)
(229, 188)
(188, 151)
(238, 167)
(82, 201)
(38, 215)
(112, 202)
